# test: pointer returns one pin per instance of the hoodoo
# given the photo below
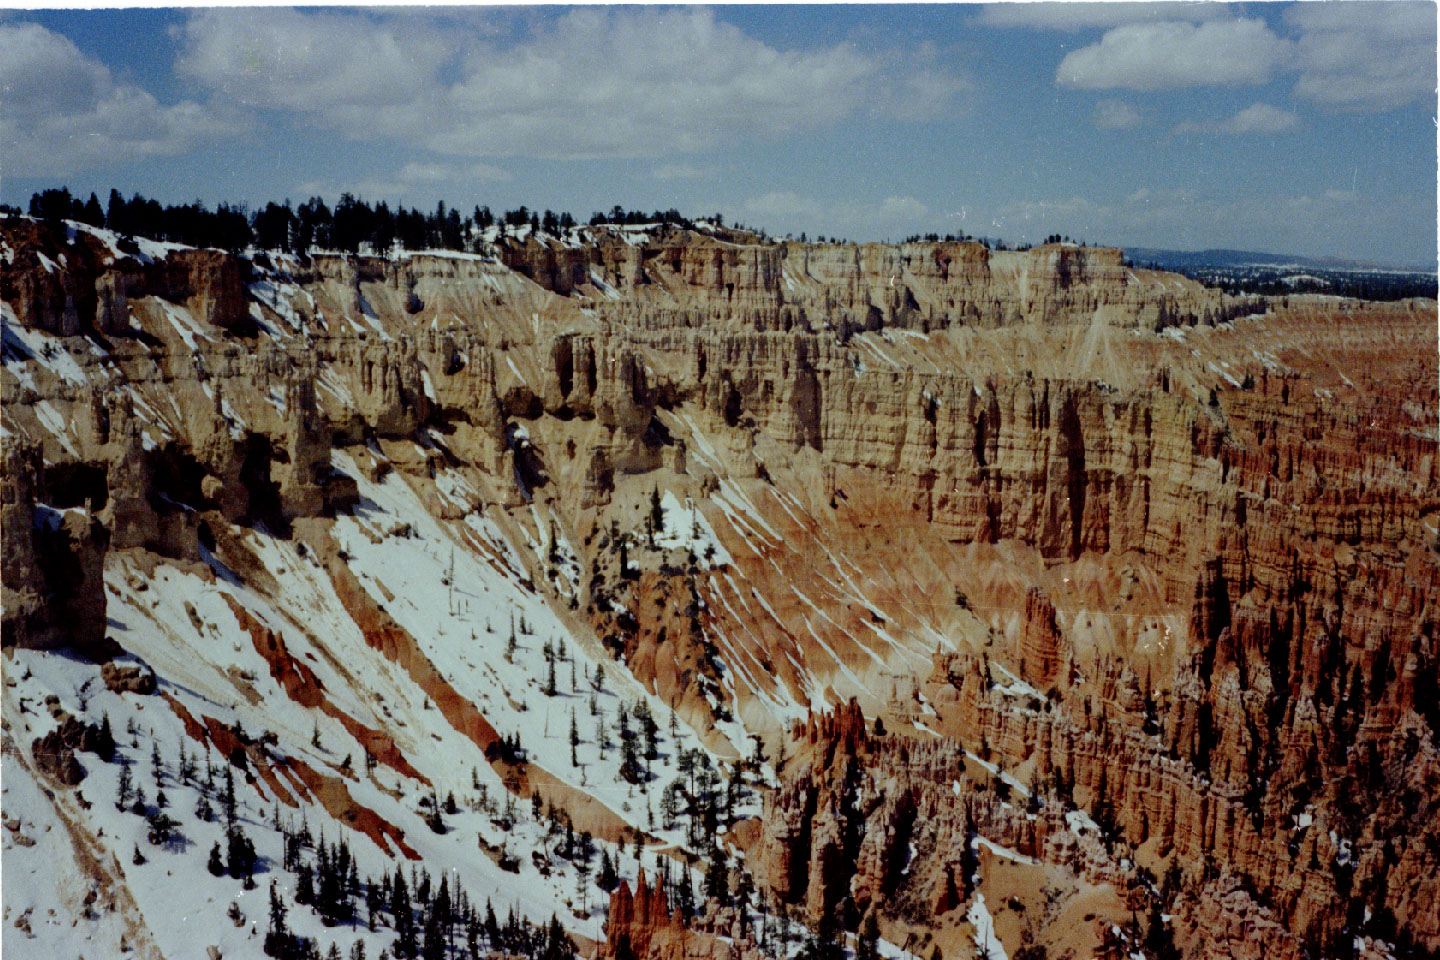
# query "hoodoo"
(675, 592)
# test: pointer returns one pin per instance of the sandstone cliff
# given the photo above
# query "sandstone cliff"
(1167, 558)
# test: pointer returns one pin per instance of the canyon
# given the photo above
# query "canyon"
(1033, 603)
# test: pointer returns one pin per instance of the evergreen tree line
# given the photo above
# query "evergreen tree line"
(429, 920)
(353, 223)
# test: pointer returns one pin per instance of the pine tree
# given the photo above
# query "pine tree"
(574, 741)
(202, 809)
(105, 741)
(492, 926)
(550, 689)
(126, 786)
(867, 945)
(240, 856)
(442, 911)
(650, 729)
(717, 877)
(969, 862)
(685, 895)
(374, 903)
(227, 797)
(606, 878)
(557, 943)
(657, 514)
(216, 865)
(406, 944)
(433, 947)
(278, 931)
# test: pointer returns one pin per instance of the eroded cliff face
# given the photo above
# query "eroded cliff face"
(1166, 558)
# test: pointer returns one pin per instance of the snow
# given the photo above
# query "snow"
(1004, 852)
(685, 528)
(1080, 823)
(405, 575)
(184, 323)
(1014, 687)
(995, 771)
(24, 346)
(985, 938)
(55, 423)
(1215, 369)
(178, 614)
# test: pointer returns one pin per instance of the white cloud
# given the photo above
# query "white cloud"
(418, 172)
(414, 172)
(1182, 219)
(1116, 115)
(784, 210)
(680, 171)
(1259, 118)
(783, 205)
(1348, 56)
(900, 210)
(64, 112)
(594, 83)
(1365, 56)
(1153, 56)
(1071, 17)
(487, 172)
(345, 70)
(1157, 195)
(415, 181)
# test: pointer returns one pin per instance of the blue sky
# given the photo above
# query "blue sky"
(1301, 128)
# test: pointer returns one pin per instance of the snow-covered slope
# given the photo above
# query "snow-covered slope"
(599, 561)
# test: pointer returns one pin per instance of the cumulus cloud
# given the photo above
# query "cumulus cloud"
(1371, 56)
(1116, 115)
(1070, 17)
(344, 70)
(1259, 118)
(680, 171)
(785, 210)
(1153, 56)
(417, 172)
(1183, 219)
(415, 181)
(783, 205)
(900, 210)
(594, 83)
(1348, 56)
(65, 112)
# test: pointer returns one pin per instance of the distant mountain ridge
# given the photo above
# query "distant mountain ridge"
(1224, 258)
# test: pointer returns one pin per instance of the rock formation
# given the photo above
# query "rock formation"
(1063, 564)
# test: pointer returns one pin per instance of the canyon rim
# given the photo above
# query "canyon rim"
(825, 577)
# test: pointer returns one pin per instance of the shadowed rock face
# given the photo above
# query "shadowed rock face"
(1185, 581)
